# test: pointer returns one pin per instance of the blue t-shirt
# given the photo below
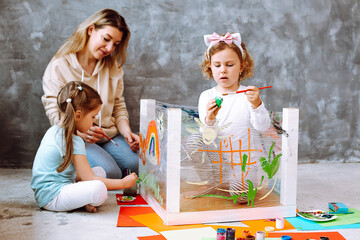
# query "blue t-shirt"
(46, 181)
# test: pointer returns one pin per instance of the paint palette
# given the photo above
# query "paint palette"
(126, 199)
(316, 216)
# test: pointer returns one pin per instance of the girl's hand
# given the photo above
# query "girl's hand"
(253, 96)
(93, 135)
(133, 140)
(211, 112)
(129, 180)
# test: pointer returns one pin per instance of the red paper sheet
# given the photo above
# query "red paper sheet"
(124, 219)
(138, 201)
(304, 236)
(154, 237)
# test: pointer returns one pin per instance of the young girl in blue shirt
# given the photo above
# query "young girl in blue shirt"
(62, 178)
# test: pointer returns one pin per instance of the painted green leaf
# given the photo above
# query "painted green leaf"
(244, 158)
(275, 164)
(270, 166)
(251, 193)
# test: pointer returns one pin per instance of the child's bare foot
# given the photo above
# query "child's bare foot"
(90, 208)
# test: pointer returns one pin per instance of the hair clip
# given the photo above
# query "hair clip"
(228, 38)
(68, 100)
(80, 88)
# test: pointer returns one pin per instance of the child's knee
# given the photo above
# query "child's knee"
(99, 193)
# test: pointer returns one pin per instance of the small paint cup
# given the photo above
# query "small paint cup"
(260, 235)
(221, 234)
(280, 223)
(230, 234)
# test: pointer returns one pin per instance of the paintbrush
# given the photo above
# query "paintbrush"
(128, 171)
(242, 91)
(110, 139)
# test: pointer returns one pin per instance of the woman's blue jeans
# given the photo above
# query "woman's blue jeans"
(115, 160)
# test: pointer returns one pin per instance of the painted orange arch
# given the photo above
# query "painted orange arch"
(152, 141)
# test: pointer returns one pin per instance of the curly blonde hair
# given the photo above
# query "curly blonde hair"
(246, 61)
(100, 19)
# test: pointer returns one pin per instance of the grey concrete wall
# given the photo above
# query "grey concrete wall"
(308, 50)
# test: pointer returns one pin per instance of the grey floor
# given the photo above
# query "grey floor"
(20, 218)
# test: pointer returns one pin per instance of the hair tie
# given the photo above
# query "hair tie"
(80, 88)
(212, 40)
(68, 100)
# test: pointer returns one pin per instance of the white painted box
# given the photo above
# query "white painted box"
(190, 174)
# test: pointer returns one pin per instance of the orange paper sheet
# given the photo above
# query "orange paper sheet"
(314, 235)
(154, 237)
(124, 219)
(259, 225)
(154, 222)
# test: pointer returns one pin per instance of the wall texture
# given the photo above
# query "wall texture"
(308, 50)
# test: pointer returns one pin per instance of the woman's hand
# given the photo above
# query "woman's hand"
(211, 112)
(133, 140)
(93, 135)
(253, 96)
(129, 180)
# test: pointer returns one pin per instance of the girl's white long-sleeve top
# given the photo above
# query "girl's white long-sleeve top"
(237, 110)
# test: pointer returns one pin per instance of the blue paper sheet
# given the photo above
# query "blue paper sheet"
(306, 225)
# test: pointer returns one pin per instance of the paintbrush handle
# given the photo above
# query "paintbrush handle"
(107, 136)
(110, 139)
(114, 142)
(265, 87)
(242, 91)
(251, 90)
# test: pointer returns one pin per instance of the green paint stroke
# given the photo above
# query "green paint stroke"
(244, 158)
(151, 182)
(270, 166)
(234, 197)
(262, 179)
(251, 193)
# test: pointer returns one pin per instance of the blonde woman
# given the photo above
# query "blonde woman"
(95, 54)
